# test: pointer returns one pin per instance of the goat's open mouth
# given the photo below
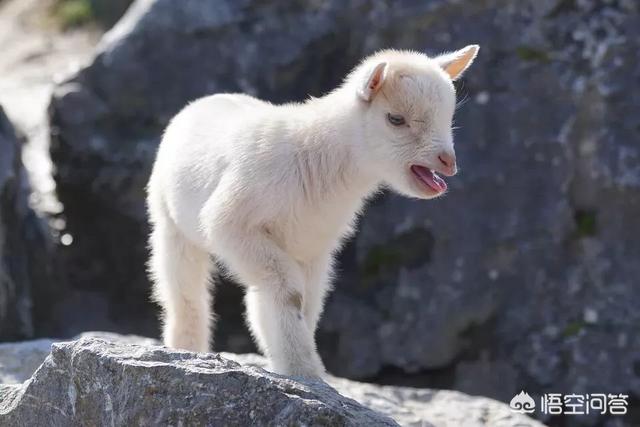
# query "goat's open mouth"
(429, 178)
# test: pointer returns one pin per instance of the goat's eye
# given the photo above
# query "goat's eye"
(395, 119)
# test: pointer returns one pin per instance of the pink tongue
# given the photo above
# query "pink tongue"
(428, 177)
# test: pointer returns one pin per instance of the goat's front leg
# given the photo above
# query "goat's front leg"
(317, 286)
(275, 300)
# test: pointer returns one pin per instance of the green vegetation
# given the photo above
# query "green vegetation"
(573, 328)
(410, 249)
(530, 53)
(73, 13)
(380, 257)
(76, 13)
(585, 223)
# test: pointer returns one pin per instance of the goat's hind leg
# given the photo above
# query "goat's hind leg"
(181, 273)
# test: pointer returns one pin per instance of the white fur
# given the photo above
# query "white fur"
(270, 191)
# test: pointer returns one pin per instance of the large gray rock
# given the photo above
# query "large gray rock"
(19, 360)
(15, 310)
(523, 276)
(25, 263)
(95, 382)
(415, 406)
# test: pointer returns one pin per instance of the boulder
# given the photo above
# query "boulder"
(19, 360)
(25, 264)
(96, 382)
(523, 276)
(15, 310)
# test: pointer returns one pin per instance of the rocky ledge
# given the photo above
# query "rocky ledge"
(93, 381)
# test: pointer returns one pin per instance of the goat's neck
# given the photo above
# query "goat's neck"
(334, 151)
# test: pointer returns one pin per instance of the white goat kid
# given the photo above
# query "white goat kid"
(271, 191)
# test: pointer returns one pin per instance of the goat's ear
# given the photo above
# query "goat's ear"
(455, 63)
(372, 82)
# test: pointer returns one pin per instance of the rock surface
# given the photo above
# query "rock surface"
(15, 310)
(511, 281)
(417, 407)
(95, 382)
(25, 266)
(19, 360)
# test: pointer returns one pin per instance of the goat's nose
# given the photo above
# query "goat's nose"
(447, 163)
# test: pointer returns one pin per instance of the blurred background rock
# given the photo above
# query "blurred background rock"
(525, 276)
